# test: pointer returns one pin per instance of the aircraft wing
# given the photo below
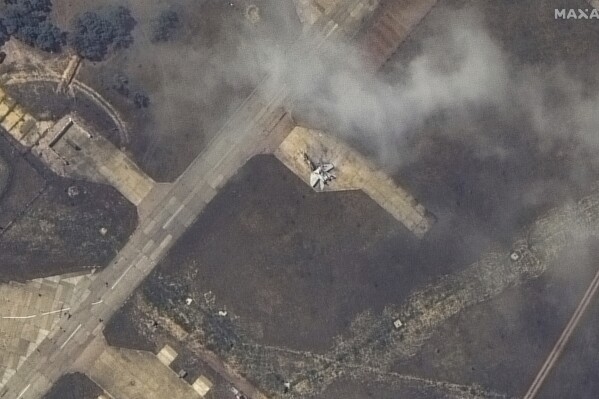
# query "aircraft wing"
(327, 167)
(314, 179)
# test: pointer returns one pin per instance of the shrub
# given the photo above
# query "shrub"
(164, 26)
(49, 38)
(123, 24)
(141, 100)
(4, 36)
(121, 85)
(28, 21)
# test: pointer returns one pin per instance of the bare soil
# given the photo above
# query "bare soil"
(292, 267)
(294, 264)
(23, 184)
(74, 386)
(47, 232)
(502, 343)
(352, 389)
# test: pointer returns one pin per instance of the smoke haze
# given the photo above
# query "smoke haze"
(456, 102)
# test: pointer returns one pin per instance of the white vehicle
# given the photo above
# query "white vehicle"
(238, 395)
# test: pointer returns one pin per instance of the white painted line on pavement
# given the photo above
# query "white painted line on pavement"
(23, 392)
(54, 311)
(70, 336)
(97, 330)
(201, 195)
(161, 247)
(120, 278)
(36, 315)
(170, 220)
(138, 264)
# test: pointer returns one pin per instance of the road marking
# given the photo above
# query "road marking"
(147, 247)
(138, 264)
(36, 315)
(188, 221)
(217, 181)
(70, 336)
(97, 302)
(122, 275)
(54, 311)
(215, 167)
(149, 227)
(97, 330)
(23, 392)
(563, 339)
(161, 247)
(169, 221)
(206, 190)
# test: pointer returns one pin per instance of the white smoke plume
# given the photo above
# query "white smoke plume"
(459, 71)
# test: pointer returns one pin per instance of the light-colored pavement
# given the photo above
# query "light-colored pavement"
(28, 311)
(88, 155)
(127, 373)
(353, 171)
(251, 130)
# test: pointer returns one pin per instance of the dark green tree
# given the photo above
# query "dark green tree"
(28, 21)
(95, 34)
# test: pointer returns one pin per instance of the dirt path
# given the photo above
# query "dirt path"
(22, 78)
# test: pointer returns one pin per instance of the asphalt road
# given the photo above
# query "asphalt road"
(250, 131)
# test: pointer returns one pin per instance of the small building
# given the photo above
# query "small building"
(397, 324)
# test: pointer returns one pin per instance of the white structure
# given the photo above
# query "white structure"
(397, 324)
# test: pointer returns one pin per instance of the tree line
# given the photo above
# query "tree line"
(93, 34)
